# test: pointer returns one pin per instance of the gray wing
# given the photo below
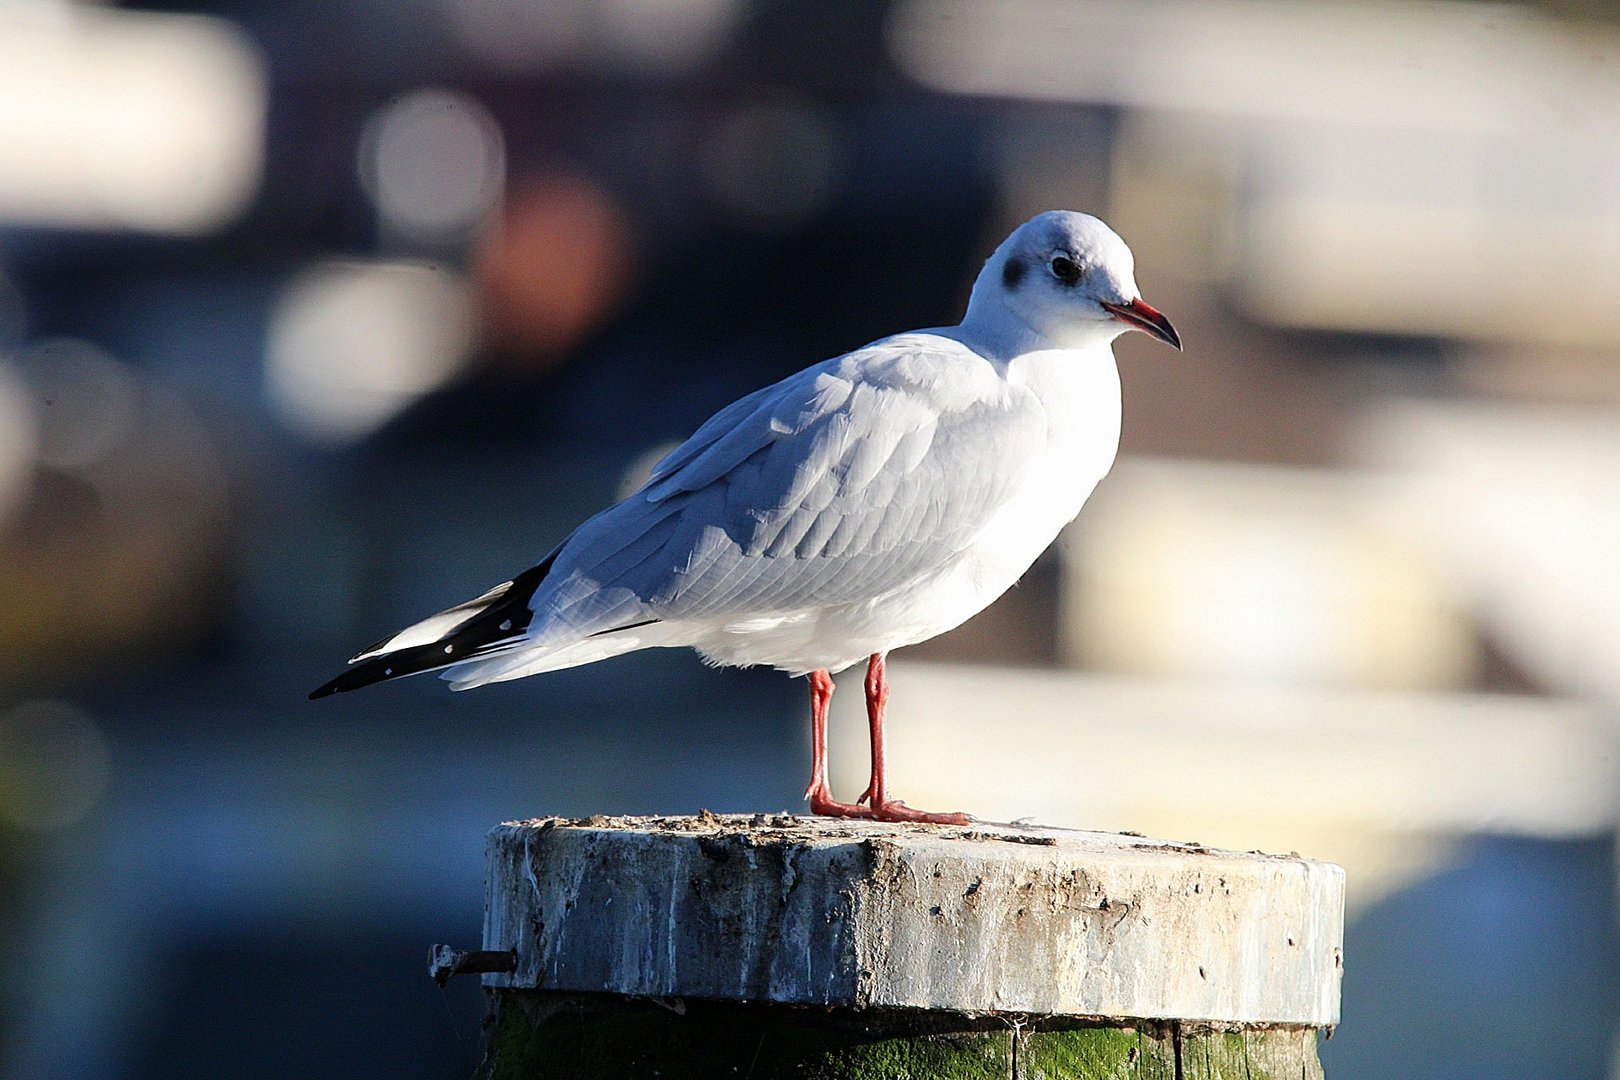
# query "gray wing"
(842, 482)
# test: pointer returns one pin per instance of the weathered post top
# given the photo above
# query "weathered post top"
(979, 919)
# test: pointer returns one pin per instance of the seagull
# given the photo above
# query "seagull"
(866, 503)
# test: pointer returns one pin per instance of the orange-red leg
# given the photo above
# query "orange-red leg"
(819, 793)
(877, 702)
(877, 791)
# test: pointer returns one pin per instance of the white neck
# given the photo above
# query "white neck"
(998, 334)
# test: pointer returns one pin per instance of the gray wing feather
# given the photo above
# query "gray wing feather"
(745, 427)
(842, 482)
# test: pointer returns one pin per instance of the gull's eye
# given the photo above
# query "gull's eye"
(1065, 269)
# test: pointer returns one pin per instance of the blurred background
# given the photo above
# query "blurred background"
(318, 316)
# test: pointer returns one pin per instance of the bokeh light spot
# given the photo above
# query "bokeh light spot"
(54, 765)
(19, 433)
(89, 399)
(351, 344)
(433, 162)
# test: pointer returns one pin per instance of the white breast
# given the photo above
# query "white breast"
(1079, 391)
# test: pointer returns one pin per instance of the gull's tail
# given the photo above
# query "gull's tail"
(492, 624)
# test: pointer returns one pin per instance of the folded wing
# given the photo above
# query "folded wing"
(841, 483)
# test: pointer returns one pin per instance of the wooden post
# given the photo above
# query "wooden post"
(777, 946)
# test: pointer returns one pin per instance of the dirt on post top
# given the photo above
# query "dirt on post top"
(802, 828)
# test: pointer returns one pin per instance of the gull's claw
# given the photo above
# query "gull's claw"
(822, 802)
(895, 810)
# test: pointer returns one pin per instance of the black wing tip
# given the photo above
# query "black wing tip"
(497, 622)
(397, 665)
(323, 691)
(414, 660)
(361, 675)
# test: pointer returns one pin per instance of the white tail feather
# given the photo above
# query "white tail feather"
(434, 627)
(532, 661)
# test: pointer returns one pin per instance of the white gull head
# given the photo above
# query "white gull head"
(1062, 280)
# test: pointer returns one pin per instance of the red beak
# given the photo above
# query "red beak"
(1138, 315)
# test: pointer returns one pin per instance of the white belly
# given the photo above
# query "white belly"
(1083, 404)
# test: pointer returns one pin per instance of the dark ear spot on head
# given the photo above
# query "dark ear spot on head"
(1013, 272)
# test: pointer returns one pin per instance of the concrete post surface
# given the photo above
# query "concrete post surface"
(790, 946)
